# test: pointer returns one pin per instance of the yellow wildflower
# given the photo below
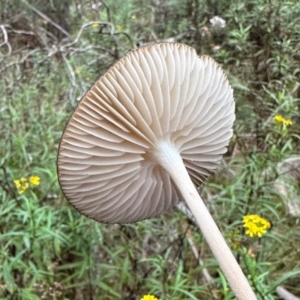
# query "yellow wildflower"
(23, 183)
(17, 183)
(149, 297)
(35, 180)
(95, 25)
(133, 17)
(282, 120)
(256, 226)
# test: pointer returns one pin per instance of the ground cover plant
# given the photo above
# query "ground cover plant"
(50, 53)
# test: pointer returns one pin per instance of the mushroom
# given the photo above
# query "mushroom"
(151, 127)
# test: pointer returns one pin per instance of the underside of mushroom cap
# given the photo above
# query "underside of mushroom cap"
(160, 93)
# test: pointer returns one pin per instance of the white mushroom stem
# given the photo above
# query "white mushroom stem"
(284, 294)
(171, 161)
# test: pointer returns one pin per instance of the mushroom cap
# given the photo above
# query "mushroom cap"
(163, 92)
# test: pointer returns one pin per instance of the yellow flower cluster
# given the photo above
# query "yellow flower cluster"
(24, 183)
(149, 297)
(256, 225)
(95, 25)
(282, 120)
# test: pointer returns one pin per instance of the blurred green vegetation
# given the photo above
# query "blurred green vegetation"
(50, 53)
